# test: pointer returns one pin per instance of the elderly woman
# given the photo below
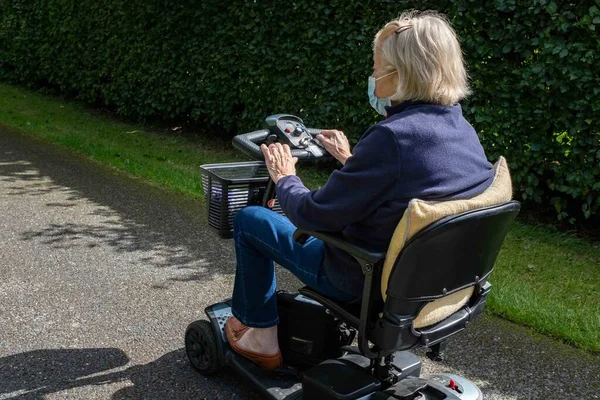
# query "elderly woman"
(424, 149)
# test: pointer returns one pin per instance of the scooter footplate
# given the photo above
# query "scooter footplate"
(278, 385)
(219, 313)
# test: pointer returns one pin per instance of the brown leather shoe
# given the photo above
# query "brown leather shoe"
(234, 331)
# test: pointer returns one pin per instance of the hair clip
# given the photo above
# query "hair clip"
(403, 28)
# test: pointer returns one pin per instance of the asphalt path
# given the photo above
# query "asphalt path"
(100, 274)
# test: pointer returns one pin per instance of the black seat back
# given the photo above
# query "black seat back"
(452, 254)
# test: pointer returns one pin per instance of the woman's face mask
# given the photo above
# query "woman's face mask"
(377, 103)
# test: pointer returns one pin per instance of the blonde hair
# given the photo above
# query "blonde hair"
(423, 48)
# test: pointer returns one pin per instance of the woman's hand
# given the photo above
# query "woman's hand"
(279, 160)
(336, 143)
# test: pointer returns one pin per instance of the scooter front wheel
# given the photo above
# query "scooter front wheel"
(201, 347)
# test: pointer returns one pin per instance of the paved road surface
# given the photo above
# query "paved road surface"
(100, 274)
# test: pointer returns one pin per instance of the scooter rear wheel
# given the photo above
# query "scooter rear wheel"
(201, 347)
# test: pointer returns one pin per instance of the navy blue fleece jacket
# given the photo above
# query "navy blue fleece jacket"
(420, 151)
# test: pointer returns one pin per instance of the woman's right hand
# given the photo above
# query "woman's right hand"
(336, 143)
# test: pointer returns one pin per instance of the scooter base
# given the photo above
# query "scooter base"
(344, 378)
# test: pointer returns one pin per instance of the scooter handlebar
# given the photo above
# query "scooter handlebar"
(249, 144)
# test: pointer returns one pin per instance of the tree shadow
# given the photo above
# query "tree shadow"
(36, 374)
(96, 206)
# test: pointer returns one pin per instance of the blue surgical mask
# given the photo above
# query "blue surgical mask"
(377, 103)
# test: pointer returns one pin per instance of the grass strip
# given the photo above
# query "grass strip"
(543, 279)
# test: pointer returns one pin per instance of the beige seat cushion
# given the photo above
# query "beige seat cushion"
(420, 214)
(442, 308)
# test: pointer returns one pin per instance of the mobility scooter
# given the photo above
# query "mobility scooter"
(425, 289)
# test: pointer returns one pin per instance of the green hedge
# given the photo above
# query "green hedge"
(534, 68)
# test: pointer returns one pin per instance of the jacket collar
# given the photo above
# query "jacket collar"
(391, 110)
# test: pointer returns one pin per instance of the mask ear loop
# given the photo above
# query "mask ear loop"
(381, 77)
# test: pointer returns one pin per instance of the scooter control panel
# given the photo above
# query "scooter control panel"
(285, 129)
(291, 131)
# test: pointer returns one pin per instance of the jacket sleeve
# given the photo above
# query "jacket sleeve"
(353, 192)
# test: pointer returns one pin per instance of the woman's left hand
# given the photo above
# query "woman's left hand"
(279, 160)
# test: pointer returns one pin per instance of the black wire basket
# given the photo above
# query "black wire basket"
(229, 187)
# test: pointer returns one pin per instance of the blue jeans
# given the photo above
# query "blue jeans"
(261, 238)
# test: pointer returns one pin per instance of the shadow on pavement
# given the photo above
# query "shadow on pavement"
(38, 373)
(119, 211)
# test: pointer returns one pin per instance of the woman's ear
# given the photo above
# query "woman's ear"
(387, 86)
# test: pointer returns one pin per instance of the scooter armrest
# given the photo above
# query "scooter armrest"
(363, 256)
